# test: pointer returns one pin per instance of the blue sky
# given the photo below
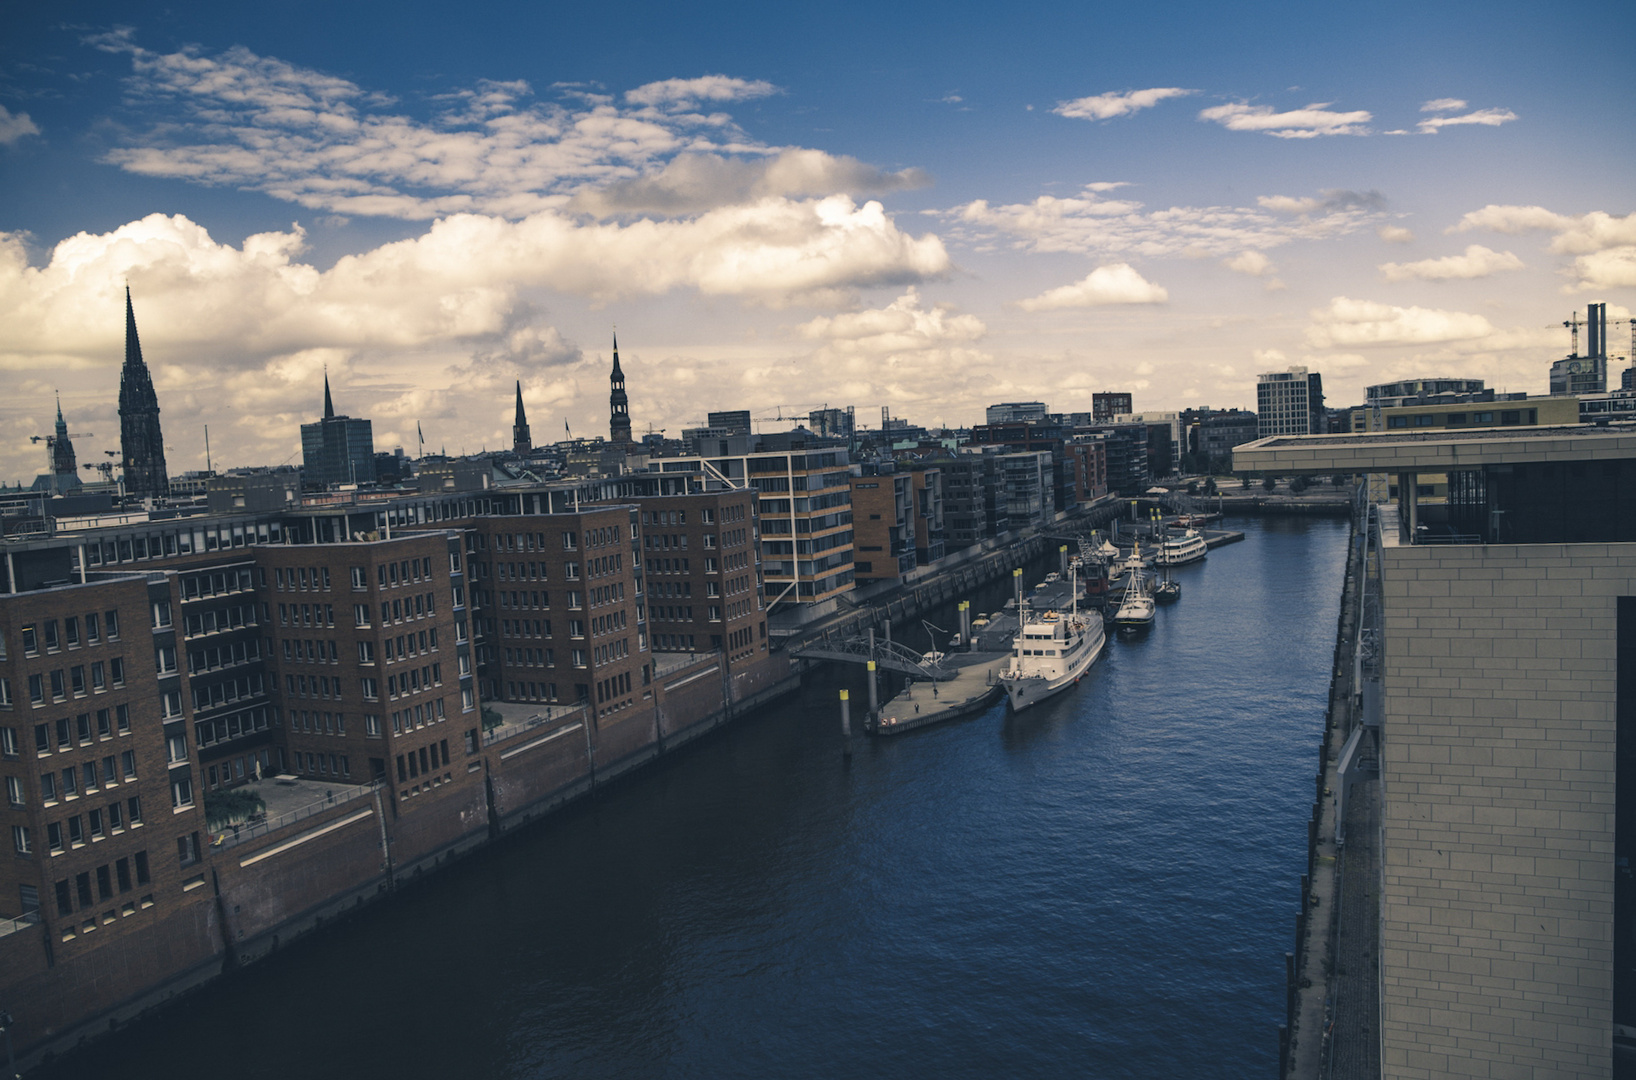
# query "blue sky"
(930, 207)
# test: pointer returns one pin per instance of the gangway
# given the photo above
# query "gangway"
(887, 655)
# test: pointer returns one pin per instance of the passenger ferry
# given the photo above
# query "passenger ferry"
(1050, 653)
(1178, 550)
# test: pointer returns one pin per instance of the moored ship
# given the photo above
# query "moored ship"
(1050, 653)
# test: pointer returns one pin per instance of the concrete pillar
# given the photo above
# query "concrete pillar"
(874, 699)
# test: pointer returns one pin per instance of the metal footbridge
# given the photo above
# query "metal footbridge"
(887, 655)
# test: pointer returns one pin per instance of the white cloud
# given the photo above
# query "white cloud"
(241, 120)
(1307, 123)
(691, 183)
(1106, 106)
(1482, 117)
(1115, 284)
(1347, 322)
(1605, 245)
(1443, 104)
(1395, 234)
(1253, 263)
(686, 93)
(1090, 224)
(1476, 262)
(14, 127)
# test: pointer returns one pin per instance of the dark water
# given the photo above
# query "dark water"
(1101, 887)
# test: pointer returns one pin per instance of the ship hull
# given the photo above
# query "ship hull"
(1024, 692)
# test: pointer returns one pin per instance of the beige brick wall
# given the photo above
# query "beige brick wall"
(1498, 772)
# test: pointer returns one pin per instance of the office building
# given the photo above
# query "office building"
(1505, 704)
(1106, 406)
(1290, 403)
(1010, 412)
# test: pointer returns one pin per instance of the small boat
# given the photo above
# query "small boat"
(1167, 591)
(1180, 550)
(1136, 610)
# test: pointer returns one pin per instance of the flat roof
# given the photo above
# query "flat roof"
(1439, 450)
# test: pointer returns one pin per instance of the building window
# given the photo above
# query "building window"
(20, 839)
(181, 791)
(187, 849)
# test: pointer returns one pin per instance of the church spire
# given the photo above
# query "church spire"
(522, 444)
(329, 403)
(140, 438)
(619, 420)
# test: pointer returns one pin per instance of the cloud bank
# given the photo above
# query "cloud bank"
(1106, 106)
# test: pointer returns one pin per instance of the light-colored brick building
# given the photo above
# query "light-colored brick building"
(1504, 870)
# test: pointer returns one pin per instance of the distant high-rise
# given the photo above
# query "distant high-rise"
(734, 422)
(1290, 403)
(1588, 374)
(1011, 412)
(1104, 407)
(522, 444)
(140, 439)
(337, 449)
(619, 420)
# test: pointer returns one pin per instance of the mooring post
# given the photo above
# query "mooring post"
(846, 724)
(965, 624)
(874, 703)
(1062, 559)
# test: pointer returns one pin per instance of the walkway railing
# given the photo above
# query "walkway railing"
(11, 926)
(238, 834)
(552, 715)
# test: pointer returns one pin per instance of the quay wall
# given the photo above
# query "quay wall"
(259, 894)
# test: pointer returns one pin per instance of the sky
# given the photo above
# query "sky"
(928, 208)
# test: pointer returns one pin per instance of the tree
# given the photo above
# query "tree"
(1192, 487)
(1244, 480)
(1299, 485)
(1210, 486)
(1268, 483)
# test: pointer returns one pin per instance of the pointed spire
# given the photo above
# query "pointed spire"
(617, 374)
(133, 345)
(329, 403)
(522, 417)
(60, 422)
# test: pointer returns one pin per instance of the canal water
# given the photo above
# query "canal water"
(1103, 886)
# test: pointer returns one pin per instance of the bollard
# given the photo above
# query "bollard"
(874, 702)
(1062, 559)
(1289, 969)
(1283, 1050)
(1306, 889)
(846, 725)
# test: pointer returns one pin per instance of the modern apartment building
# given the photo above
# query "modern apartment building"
(884, 520)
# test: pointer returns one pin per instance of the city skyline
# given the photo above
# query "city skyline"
(952, 211)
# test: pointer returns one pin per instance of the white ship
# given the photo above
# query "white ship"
(1178, 550)
(1050, 653)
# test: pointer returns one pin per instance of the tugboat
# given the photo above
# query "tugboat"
(1051, 652)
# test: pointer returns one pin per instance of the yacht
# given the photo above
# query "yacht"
(1136, 610)
(1179, 550)
(1050, 653)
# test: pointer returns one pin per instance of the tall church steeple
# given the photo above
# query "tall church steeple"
(521, 443)
(63, 462)
(140, 438)
(329, 402)
(619, 421)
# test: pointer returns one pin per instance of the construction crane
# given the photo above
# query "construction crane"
(51, 445)
(1574, 325)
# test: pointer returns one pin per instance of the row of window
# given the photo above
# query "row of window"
(412, 764)
(46, 633)
(419, 716)
(216, 583)
(68, 730)
(79, 680)
(79, 829)
(244, 722)
(86, 776)
(222, 692)
(120, 872)
(306, 579)
(219, 620)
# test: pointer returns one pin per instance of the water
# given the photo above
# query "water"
(1103, 886)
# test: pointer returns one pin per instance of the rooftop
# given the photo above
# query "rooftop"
(1438, 450)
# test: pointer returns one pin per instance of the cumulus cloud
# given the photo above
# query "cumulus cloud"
(1307, 123)
(1605, 245)
(691, 183)
(1115, 103)
(1346, 322)
(1088, 223)
(1115, 284)
(14, 127)
(242, 120)
(1395, 234)
(1482, 117)
(1476, 262)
